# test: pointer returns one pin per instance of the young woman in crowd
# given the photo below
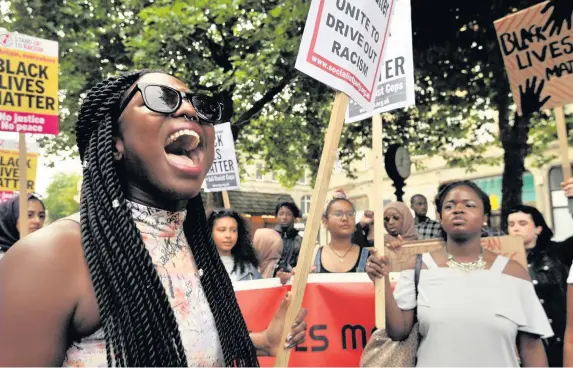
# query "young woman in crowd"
(135, 279)
(472, 305)
(268, 247)
(340, 255)
(549, 263)
(10, 220)
(233, 242)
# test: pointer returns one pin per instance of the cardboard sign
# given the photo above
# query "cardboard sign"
(395, 88)
(224, 173)
(343, 44)
(509, 246)
(28, 84)
(10, 171)
(537, 49)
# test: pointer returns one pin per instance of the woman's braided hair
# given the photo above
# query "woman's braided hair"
(139, 324)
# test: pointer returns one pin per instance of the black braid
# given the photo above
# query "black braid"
(237, 346)
(139, 324)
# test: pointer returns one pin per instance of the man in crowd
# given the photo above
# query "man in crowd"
(426, 228)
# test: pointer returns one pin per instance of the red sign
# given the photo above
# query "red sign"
(340, 316)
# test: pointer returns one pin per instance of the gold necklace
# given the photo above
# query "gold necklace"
(478, 264)
(338, 255)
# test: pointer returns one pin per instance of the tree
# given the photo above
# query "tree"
(60, 201)
(241, 50)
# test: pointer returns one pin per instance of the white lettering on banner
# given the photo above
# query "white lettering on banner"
(396, 86)
(342, 45)
(224, 173)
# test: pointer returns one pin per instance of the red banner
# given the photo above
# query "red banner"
(340, 316)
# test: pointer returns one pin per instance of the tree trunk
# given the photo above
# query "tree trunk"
(516, 149)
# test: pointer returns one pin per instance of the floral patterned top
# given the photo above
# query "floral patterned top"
(163, 236)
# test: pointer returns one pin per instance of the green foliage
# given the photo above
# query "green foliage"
(60, 200)
(244, 51)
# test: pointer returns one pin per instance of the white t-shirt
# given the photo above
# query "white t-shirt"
(229, 263)
(570, 278)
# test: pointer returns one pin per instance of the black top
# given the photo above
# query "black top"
(353, 269)
(549, 267)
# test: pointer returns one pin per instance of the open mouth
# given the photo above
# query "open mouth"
(182, 148)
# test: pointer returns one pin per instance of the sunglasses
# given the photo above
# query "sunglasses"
(166, 100)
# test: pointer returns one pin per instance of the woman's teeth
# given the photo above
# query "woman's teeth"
(193, 142)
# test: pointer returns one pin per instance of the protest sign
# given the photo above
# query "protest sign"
(10, 169)
(537, 48)
(342, 46)
(224, 173)
(538, 56)
(343, 43)
(395, 87)
(28, 84)
(336, 333)
(509, 246)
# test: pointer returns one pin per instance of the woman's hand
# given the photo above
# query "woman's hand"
(395, 244)
(272, 335)
(285, 276)
(567, 186)
(377, 266)
(367, 219)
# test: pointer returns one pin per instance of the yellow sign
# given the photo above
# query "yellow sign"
(28, 84)
(494, 199)
(10, 171)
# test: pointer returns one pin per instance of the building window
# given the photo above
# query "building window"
(562, 221)
(259, 172)
(305, 205)
(275, 177)
(303, 180)
(492, 186)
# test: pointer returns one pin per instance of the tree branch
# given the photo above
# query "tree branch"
(259, 104)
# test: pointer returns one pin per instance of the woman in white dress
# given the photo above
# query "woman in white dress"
(473, 306)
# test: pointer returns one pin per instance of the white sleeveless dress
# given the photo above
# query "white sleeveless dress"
(163, 236)
(470, 319)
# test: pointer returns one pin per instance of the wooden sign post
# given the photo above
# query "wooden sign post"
(226, 201)
(564, 148)
(23, 167)
(533, 43)
(329, 154)
(377, 148)
(324, 54)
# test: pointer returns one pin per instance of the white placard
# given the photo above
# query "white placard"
(395, 89)
(224, 173)
(342, 45)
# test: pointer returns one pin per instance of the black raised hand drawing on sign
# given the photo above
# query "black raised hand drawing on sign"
(530, 96)
(561, 13)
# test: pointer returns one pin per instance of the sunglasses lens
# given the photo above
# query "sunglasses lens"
(207, 108)
(161, 99)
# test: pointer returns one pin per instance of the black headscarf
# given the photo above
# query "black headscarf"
(9, 212)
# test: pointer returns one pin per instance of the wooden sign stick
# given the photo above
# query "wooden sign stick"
(226, 201)
(380, 285)
(329, 154)
(564, 148)
(23, 166)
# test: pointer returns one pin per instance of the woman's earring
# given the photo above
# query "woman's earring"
(117, 156)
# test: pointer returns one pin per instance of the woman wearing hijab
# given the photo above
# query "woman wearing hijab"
(268, 247)
(10, 224)
(398, 222)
